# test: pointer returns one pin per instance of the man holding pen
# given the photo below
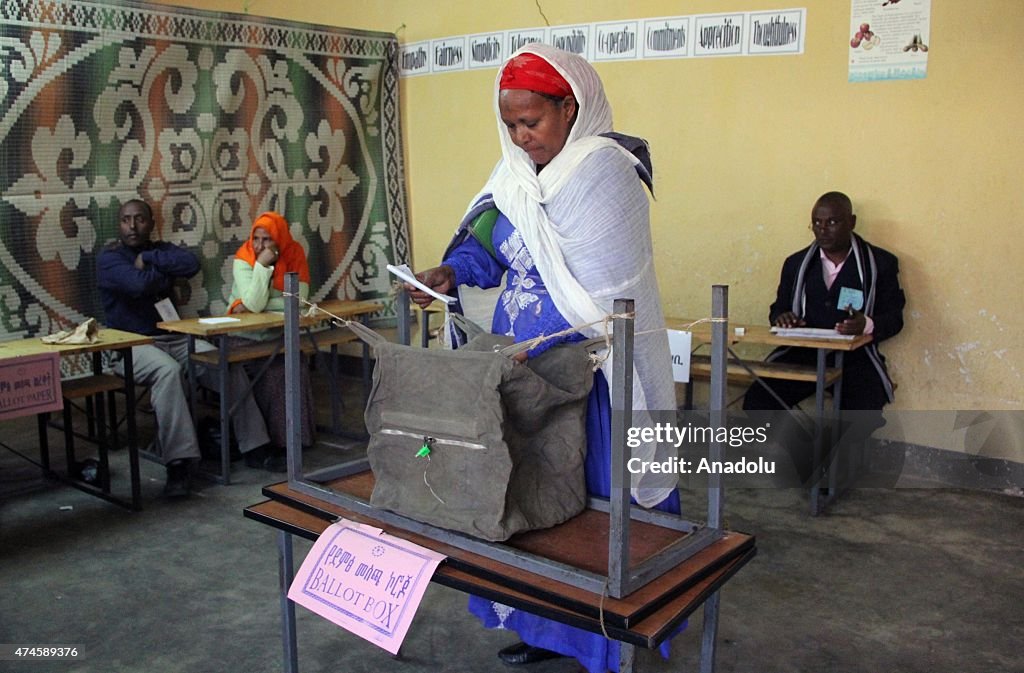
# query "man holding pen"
(840, 281)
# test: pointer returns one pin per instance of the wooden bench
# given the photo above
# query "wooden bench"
(308, 343)
(326, 342)
(743, 374)
(102, 431)
(700, 368)
(87, 386)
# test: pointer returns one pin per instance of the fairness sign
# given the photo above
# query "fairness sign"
(365, 581)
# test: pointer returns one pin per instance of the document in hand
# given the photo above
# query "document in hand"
(406, 274)
(811, 333)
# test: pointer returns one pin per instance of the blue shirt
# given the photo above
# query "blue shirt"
(525, 309)
(128, 294)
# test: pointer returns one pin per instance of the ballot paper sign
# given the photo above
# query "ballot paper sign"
(405, 273)
(679, 345)
(30, 385)
(365, 581)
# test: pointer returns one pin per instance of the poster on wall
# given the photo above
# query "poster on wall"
(889, 39)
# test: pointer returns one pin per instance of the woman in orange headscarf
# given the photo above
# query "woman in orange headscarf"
(261, 263)
(258, 285)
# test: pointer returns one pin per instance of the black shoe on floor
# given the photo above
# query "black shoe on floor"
(521, 653)
(271, 459)
(178, 484)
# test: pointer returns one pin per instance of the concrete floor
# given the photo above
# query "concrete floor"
(927, 581)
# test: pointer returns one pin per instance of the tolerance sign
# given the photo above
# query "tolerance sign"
(365, 581)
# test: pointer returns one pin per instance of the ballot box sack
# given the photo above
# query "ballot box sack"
(472, 441)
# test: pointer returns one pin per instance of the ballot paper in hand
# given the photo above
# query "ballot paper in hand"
(406, 274)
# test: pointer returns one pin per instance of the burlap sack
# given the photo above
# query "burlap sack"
(471, 441)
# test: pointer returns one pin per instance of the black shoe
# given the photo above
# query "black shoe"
(267, 458)
(178, 484)
(521, 653)
(208, 434)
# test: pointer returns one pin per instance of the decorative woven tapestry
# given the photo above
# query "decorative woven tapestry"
(211, 118)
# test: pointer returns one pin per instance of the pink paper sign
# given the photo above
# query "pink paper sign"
(365, 581)
(30, 384)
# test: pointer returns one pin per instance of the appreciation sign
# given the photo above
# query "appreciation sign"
(30, 384)
(365, 581)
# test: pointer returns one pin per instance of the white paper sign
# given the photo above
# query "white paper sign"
(679, 345)
(166, 310)
(365, 581)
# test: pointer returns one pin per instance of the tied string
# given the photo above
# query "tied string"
(431, 488)
(313, 309)
(600, 611)
(598, 360)
(685, 327)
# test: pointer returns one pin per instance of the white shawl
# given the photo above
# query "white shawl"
(585, 221)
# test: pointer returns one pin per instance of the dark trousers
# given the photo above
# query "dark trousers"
(861, 402)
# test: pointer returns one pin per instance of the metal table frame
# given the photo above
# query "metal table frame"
(622, 577)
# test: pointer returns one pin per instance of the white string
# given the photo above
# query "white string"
(431, 487)
(600, 610)
(314, 309)
(529, 344)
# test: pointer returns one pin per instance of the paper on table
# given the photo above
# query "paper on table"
(218, 320)
(811, 333)
(406, 274)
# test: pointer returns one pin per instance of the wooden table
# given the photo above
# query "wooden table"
(644, 618)
(824, 377)
(249, 322)
(107, 340)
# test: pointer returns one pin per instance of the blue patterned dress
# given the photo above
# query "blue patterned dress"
(524, 311)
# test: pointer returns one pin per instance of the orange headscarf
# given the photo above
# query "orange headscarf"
(292, 257)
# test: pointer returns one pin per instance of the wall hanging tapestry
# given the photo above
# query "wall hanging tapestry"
(212, 118)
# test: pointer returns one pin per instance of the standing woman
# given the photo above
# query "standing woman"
(571, 233)
(257, 285)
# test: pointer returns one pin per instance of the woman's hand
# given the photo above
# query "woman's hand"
(268, 255)
(440, 279)
(239, 308)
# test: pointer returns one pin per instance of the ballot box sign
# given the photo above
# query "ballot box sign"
(679, 346)
(365, 581)
(30, 384)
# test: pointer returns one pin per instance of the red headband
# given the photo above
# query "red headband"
(531, 72)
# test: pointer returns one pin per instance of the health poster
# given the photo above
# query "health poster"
(889, 39)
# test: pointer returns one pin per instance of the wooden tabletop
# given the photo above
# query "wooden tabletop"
(517, 588)
(248, 322)
(581, 542)
(761, 334)
(107, 339)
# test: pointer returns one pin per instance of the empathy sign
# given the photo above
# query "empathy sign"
(365, 581)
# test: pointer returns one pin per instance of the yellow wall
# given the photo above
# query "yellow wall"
(743, 146)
